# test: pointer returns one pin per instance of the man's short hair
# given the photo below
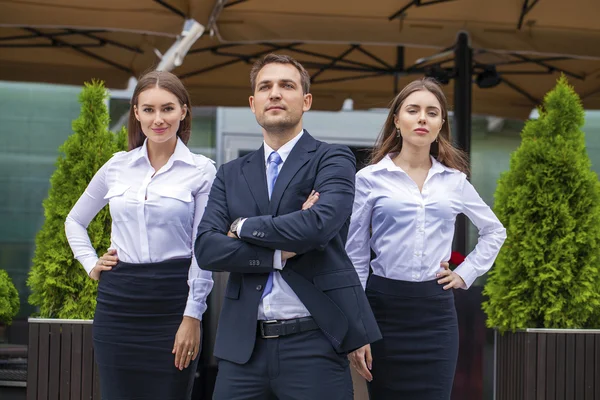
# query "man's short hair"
(280, 59)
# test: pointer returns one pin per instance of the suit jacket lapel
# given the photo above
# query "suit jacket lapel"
(256, 178)
(300, 155)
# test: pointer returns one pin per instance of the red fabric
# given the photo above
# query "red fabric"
(456, 258)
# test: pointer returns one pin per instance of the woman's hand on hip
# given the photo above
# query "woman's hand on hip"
(362, 361)
(187, 342)
(452, 279)
(104, 263)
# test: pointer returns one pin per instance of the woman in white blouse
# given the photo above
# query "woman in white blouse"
(151, 294)
(404, 211)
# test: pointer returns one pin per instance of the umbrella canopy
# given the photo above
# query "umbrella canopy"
(371, 75)
(353, 49)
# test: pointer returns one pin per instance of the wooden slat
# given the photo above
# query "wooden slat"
(519, 365)
(589, 367)
(579, 367)
(597, 366)
(518, 338)
(541, 372)
(550, 366)
(561, 349)
(499, 343)
(530, 367)
(65, 362)
(87, 368)
(42, 361)
(54, 367)
(76, 349)
(506, 354)
(32, 361)
(570, 368)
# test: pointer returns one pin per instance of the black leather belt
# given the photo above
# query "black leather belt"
(275, 328)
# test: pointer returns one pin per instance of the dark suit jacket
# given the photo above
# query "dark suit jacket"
(321, 274)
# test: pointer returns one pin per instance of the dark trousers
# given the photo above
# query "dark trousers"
(301, 366)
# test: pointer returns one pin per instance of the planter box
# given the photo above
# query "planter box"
(539, 364)
(61, 360)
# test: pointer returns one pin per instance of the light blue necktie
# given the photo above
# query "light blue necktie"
(272, 172)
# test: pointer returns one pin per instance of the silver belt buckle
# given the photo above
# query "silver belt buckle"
(262, 329)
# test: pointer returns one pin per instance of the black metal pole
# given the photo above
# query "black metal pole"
(463, 58)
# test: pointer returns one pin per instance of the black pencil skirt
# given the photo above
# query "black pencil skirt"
(416, 359)
(138, 312)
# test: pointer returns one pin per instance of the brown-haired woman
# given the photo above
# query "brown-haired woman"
(404, 210)
(151, 294)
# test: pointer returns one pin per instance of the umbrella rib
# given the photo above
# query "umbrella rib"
(171, 8)
(525, 10)
(240, 58)
(374, 57)
(515, 62)
(109, 41)
(233, 3)
(212, 48)
(416, 3)
(334, 61)
(312, 53)
(521, 91)
(550, 67)
(351, 78)
(33, 35)
(81, 50)
(589, 94)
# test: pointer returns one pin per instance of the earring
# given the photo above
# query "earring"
(398, 132)
(436, 139)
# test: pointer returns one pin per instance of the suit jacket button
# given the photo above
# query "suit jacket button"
(259, 287)
(262, 234)
(254, 233)
(257, 262)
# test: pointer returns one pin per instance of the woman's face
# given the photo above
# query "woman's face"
(160, 114)
(419, 119)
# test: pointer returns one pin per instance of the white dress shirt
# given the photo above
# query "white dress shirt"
(155, 214)
(282, 302)
(412, 231)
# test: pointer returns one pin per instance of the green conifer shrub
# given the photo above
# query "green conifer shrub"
(547, 273)
(59, 285)
(9, 299)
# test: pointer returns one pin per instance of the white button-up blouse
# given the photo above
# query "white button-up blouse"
(412, 231)
(155, 214)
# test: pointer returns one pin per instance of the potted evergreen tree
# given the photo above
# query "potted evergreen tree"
(9, 302)
(60, 336)
(544, 291)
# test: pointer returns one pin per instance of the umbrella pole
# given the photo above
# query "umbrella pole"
(463, 58)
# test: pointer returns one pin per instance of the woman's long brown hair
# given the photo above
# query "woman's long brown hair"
(443, 150)
(170, 83)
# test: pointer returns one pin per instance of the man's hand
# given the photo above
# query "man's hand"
(313, 197)
(286, 255)
(231, 235)
(362, 361)
(187, 342)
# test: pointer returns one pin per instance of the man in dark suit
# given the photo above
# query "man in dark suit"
(277, 220)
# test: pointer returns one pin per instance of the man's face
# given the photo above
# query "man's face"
(278, 102)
